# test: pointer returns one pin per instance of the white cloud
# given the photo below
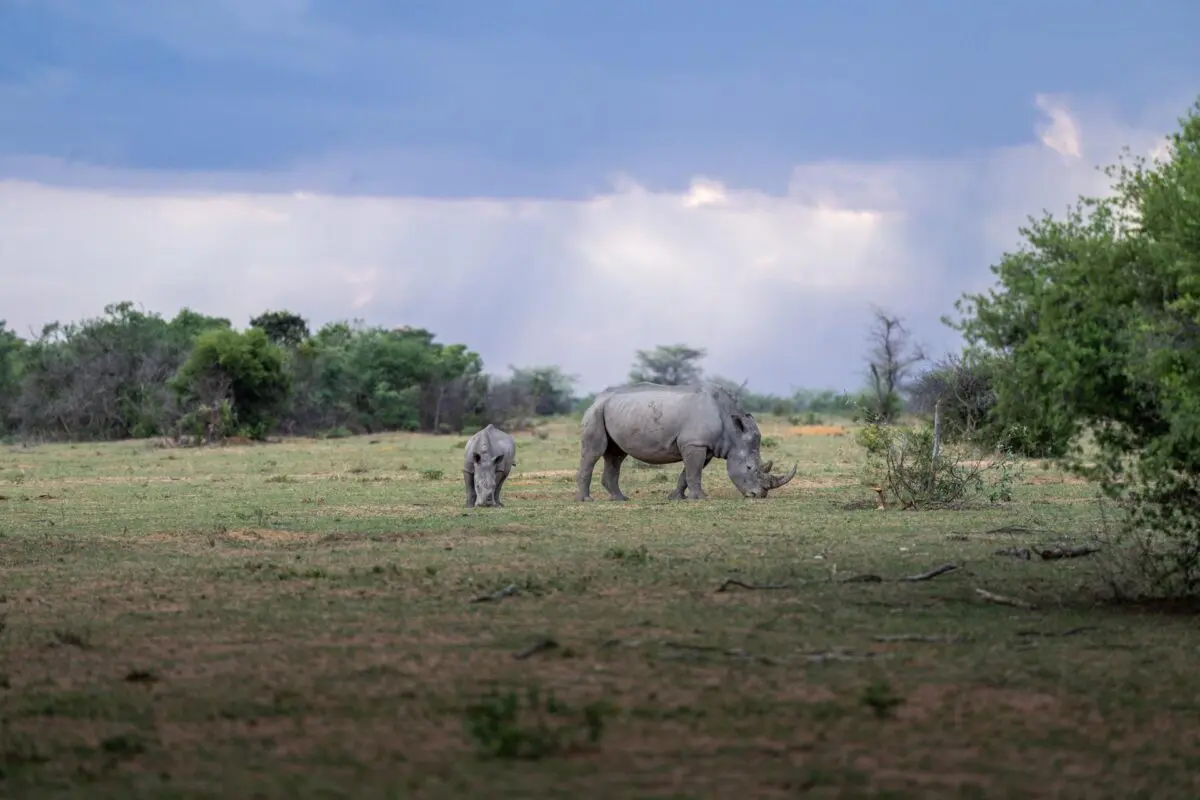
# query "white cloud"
(777, 288)
(1061, 133)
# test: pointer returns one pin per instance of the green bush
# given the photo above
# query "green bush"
(901, 462)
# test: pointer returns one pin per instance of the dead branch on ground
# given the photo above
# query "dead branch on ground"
(1013, 530)
(933, 573)
(1050, 553)
(923, 576)
(536, 647)
(753, 586)
(1068, 632)
(824, 656)
(1066, 551)
(733, 652)
(507, 591)
(1002, 600)
(1015, 552)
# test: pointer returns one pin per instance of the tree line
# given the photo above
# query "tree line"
(129, 373)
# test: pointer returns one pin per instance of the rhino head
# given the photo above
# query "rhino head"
(486, 465)
(751, 477)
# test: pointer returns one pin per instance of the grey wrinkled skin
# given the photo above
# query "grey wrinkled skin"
(488, 458)
(666, 425)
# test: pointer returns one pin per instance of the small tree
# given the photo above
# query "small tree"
(282, 327)
(245, 368)
(890, 362)
(670, 365)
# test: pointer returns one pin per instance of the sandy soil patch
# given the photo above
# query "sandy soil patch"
(817, 430)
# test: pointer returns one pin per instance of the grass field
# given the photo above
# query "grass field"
(293, 620)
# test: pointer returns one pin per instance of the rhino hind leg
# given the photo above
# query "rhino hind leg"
(612, 473)
(593, 444)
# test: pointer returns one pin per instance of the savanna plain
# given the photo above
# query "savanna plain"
(295, 619)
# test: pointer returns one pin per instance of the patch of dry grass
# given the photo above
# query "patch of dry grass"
(293, 620)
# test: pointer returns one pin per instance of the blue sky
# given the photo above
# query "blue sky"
(564, 140)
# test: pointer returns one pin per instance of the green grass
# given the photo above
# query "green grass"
(293, 620)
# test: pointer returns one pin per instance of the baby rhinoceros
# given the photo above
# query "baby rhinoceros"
(490, 456)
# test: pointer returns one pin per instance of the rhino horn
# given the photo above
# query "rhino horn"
(767, 466)
(776, 481)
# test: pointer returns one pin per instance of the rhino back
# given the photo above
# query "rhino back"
(651, 422)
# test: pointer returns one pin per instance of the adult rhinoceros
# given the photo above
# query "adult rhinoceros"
(666, 425)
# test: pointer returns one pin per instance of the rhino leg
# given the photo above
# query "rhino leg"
(592, 447)
(469, 480)
(612, 474)
(500, 479)
(681, 492)
(694, 460)
(680, 487)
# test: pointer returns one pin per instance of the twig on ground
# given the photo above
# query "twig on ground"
(933, 573)
(753, 586)
(1015, 552)
(1002, 600)
(924, 576)
(835, 655)
(1067, 551)
(734, 652)
(507, 591)
(536, 647)
(700, 648)
(1015, 529)
(1068, 632)
(917, 637)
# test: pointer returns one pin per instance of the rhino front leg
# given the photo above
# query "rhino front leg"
(694, 459)
(469, 480)
(611, 477)
(500, 479)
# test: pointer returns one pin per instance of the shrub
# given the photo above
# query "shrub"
(901, 463)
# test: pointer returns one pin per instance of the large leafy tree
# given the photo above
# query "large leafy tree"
(283, 328)
(246, 369)
(1097, 320)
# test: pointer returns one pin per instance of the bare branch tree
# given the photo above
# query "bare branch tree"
(890, 362)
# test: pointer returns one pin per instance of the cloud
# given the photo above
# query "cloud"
(1061, 134)
(777, 288)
